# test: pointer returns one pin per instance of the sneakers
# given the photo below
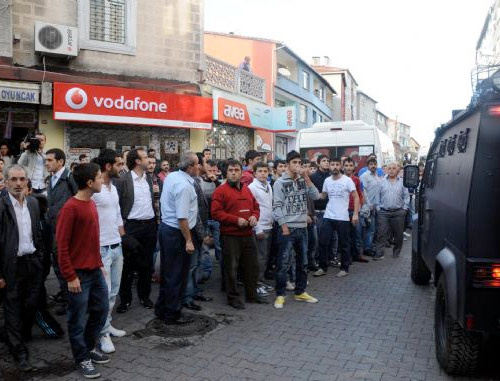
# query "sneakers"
(334, 263)
(278, 303)
(98, 357)
(378, 258)
(116, 332)
(261, 291)
(305, 297)
(342, 274)
(320, 272)
(106, 344)
(290, 286)
(407, 234)
(266, 286)
(88, 369)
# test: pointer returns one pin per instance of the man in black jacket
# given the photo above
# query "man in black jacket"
(318, 178)
(60, 188)
(21, 251)
(135, 190)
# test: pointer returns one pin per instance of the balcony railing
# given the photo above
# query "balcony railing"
(229, 78)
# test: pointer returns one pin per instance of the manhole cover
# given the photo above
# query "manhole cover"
(199, 326)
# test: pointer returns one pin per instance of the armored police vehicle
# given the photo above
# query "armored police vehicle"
(456, 238)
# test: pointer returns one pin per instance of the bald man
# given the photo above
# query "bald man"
(393, 202)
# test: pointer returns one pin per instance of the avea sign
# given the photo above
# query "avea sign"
(120, 105)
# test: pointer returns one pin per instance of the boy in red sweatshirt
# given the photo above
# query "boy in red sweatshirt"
(237, 211)
(79, 257)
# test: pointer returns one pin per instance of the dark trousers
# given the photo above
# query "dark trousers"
(21, 301)
(145, 232)
(390, 223)
(240, 252)
(312, 243)
(93, 301)
(293, 243)
(174, 270)
(328, 228)
(355, 248)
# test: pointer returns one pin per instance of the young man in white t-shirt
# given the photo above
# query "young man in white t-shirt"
(337, 188)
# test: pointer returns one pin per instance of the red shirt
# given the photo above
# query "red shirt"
(247, 177)
(356, 181)
(229, 204)
(77, 237)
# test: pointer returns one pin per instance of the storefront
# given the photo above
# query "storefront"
(97, 117)
(241, 124)
(19, 107)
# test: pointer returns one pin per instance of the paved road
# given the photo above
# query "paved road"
(373, 325)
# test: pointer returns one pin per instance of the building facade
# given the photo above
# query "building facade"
(345, 103)
(366, 108)
(382, 122)
(290, 82)
(115, 44)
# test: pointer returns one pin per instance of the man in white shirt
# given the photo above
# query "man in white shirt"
(135, 191)
(179, 207)
(263, 193)
(337, 188)
(110, 232)
(34, 162)
(21, 249)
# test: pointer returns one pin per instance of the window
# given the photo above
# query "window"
(305, 80)
(303, 114)
(315, 116)
(322, 93)
(107, 25)
(107, 20)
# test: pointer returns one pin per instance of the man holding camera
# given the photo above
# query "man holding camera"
(33, 159)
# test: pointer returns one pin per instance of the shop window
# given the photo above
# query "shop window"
(303, 113)
(108, 25)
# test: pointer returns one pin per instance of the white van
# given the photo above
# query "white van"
(355, 139)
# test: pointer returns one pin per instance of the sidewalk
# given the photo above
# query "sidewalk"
(372, 325)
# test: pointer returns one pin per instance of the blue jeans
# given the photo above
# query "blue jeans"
(192, 288)
(206, 265)
(174, 271)
(369, 232)
(312, 242)
(112, 260)
(93, 300)
(328, 228)
(295, 241)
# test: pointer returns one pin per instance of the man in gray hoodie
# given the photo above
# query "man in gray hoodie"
(290, 195)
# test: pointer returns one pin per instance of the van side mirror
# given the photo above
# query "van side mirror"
(410, 176)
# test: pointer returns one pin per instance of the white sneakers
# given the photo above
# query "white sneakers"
(106, 344)
(342, 274)
(319, 272)
(116, 332)
(290, 286)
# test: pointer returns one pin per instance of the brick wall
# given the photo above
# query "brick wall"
(169, 38)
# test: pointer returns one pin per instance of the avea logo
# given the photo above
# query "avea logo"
(76, 98)
(234, 112)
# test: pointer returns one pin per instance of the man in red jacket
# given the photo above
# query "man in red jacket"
(79, 257)
(237, 211)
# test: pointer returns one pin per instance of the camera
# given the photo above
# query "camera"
(34, 143)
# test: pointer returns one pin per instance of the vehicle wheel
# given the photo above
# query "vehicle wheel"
(420, 274)
(457, 350)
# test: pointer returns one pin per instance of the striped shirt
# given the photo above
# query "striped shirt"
(392, 194)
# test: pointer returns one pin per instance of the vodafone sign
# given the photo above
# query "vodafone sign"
(87, 103)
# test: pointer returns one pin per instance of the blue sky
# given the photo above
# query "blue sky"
(413, 57)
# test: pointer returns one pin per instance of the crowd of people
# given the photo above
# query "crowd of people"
(102, 224)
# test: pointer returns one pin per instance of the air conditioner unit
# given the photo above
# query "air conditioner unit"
(57, 40)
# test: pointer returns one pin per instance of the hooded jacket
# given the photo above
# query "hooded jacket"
(264, 196)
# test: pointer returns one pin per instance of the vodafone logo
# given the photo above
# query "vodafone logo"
(76, 98)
